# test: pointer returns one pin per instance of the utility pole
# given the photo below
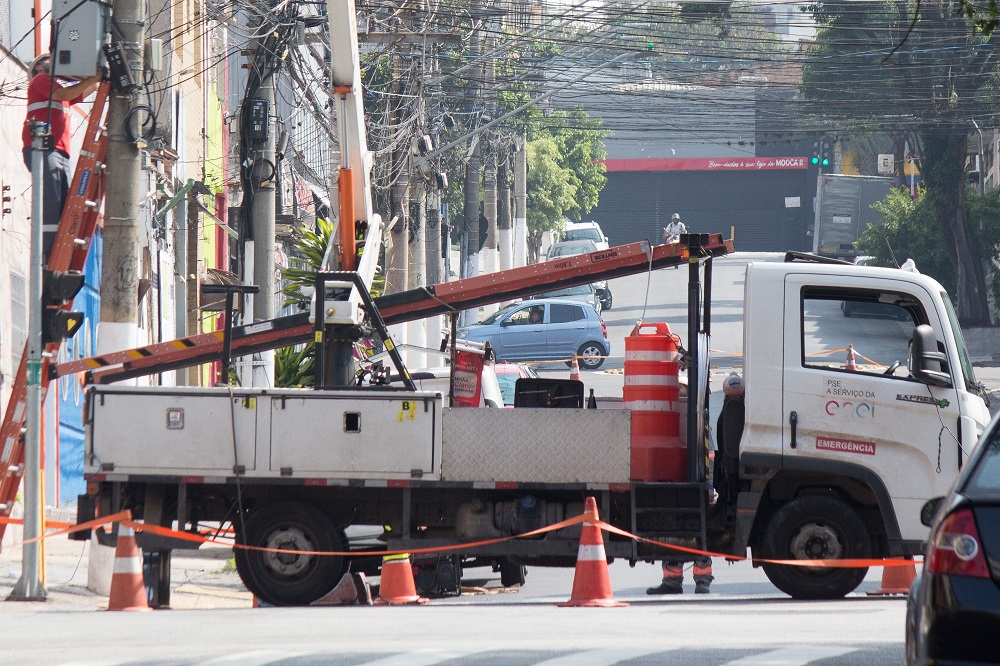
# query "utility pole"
(119, 307)
(262, 222)
(416, 331)
(505, 239)
(490, 259)
(473, 167)
(399, 199)
(521, 202)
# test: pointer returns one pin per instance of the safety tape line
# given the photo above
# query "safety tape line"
(124, 518)
(49, 524)
(827, 352)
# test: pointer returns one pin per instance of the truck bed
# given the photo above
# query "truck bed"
(338, 436)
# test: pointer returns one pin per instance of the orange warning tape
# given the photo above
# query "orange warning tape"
(49, 524)
(124, 518)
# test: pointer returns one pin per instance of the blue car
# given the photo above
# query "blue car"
(542, 330)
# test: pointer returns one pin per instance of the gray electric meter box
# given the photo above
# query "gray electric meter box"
(82, 30)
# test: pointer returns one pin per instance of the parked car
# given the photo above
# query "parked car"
(541, 330)
(582, 293)
(575, 247)
(507, 376)
(575, 231)
(953, 609)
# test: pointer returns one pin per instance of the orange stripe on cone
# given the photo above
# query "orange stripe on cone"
(592, 581)
(574, 369)
(896, 580)
(128, 591)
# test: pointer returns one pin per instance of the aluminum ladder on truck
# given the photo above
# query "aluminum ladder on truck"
(69, 252)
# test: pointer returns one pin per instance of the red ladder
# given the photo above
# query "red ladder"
(69, 252)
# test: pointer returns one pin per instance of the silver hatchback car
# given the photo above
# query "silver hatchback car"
(544, 330)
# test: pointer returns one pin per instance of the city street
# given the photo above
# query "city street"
(744, 620)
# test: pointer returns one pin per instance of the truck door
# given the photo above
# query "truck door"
(848, 399)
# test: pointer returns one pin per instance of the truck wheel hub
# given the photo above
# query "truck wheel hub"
(288, 564)
(816, 542)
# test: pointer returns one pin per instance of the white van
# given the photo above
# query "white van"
(585, 231)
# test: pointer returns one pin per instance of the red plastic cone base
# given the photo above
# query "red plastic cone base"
(592, 582)
(128, 591)
(397, 586)
(895, 580)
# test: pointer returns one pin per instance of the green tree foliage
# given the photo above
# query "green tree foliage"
(551, 190)
(931, 71)
(909, 230)
(580, 140)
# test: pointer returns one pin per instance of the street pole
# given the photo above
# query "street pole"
(119, 309)
(521, 202)
(503, 217)
(262, 223)
(29, 587)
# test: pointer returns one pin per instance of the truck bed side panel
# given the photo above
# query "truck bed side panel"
(537, 445)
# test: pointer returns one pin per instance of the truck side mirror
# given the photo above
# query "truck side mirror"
(925, 360)
(929, 510)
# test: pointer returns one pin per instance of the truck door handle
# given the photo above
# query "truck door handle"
(793, 421)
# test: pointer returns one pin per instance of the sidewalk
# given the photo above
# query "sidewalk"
(203, 578)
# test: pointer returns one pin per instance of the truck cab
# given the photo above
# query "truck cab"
(846, 434)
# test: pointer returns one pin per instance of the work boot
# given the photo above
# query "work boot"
(701, 587)
(665, 588)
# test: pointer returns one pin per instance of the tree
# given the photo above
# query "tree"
(580, 140)
(925, 66)
(551, 191)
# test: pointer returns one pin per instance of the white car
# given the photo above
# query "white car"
(575, 231)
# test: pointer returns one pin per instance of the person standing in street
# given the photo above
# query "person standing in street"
(672, 231)
(49, 101)
(673, 577)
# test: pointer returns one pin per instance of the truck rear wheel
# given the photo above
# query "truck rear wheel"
(815, 527)
(290, 578)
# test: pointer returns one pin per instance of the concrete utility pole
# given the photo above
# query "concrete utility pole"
(521, 202)
(470, 244)
(119, 306)
(416, 331)
(504, 237)
(399, 201)
(262, 222)
(490, 263)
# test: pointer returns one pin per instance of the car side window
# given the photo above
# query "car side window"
(520, 318)
(862, 331)
(562, 314)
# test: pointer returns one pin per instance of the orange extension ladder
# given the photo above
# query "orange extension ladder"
(69, 252)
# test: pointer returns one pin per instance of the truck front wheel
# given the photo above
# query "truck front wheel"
(293, 578)
(815, 527)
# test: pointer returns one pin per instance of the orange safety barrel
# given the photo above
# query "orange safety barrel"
(651, 391)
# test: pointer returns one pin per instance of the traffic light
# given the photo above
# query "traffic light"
(58, 290)
(821, 153)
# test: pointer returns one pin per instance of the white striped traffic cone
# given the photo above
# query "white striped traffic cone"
(574, 369)
(592, 581)
(128, 591)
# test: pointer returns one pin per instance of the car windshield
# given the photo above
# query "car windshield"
(579, 290)
(963, 351)
(499, 314)
(571, 249)
(589, 233)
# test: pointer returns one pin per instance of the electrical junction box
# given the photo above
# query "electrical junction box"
(82, 30)
(258, 125)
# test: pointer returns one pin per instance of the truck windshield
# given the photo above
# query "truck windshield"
(963, 351)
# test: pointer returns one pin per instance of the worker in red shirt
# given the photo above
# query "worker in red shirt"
(54, 110)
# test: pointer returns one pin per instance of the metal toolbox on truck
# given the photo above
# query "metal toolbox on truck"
(263, 433)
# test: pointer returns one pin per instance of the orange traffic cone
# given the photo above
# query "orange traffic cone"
(851, 365)
(592, 582)
(397, 586)
(896, 580)
(128, 591)
(574, 369)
